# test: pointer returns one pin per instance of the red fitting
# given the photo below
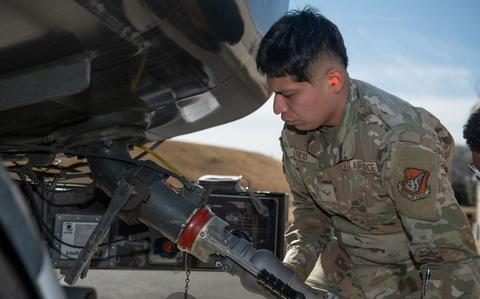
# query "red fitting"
(193, 227)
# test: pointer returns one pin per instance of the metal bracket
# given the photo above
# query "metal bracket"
(119, 199)
(101, 10)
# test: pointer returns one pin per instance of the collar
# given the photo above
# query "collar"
(342, 146)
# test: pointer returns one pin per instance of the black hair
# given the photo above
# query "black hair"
(471, 131)
(295, 42)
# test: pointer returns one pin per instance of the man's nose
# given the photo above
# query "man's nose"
(279, 104)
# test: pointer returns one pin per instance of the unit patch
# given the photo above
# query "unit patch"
(414, 184)
(414, 180)
(359, 165)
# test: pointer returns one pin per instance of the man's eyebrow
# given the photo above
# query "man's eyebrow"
(287, 90)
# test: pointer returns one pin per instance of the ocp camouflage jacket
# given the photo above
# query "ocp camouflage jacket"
(380, 187)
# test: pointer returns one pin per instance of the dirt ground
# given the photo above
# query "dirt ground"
(159, 284)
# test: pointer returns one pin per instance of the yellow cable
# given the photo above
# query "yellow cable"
(140, 71)
(159, 158)
(135, 81)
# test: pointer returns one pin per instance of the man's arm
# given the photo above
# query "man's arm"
(310, 230)
(441, 241)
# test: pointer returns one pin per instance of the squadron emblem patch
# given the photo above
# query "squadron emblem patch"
(414, 184)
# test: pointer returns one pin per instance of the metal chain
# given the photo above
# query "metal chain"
(187, 274)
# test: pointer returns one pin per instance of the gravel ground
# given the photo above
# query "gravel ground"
(123, 284)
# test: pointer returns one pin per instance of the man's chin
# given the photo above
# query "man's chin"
(299, 127)
(303, 128)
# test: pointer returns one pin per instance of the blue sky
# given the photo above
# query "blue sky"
(426, 52)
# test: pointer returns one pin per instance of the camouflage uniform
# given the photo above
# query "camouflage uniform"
(379, 188)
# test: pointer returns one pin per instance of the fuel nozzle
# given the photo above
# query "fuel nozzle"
(260, 271)
(277, 287)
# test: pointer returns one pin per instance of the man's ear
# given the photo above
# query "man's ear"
(335, 80)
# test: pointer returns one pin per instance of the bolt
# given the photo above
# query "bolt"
(108, 143)
(203, 235)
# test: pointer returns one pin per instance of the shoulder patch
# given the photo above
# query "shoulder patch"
(414, 180)
(414, 185)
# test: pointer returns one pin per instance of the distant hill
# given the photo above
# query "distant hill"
(194, 160)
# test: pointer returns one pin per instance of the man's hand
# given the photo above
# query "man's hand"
(299, 270)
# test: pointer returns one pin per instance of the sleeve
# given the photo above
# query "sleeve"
(441, 240)
(310, 230)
